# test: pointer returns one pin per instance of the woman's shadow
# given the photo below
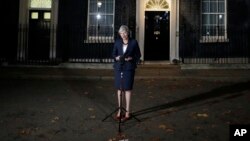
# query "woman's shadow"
(214, 96)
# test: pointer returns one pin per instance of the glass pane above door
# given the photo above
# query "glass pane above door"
(40, 3)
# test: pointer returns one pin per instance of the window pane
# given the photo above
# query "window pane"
(109, 20)
(40, 3)
(221, 30)
(47, 16)
(92, 20)
(221, 7)
(205, 7)
(109, 8)
(213, 19)
(34, 15)
(92, 31)
(213, 7)
(106, 20)
(92, 6)
(101, 20)
(208, 30)
(106, 8)
(221, 19)
(105, 31)
(205, 19)
(212, 30)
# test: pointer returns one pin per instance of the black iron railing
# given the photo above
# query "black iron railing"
(66, 44)
(70, 44)
(230, 47)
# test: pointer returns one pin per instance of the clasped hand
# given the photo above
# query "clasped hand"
(126, 59)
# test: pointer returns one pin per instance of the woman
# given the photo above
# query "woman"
(126, 54)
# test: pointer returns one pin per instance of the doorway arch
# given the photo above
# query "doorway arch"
(156, 37)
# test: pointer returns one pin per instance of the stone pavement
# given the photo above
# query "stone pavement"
(65, 104)
(151, 71)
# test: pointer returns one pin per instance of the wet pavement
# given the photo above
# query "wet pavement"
(55, 104)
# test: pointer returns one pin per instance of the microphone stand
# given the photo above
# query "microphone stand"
(120, 108)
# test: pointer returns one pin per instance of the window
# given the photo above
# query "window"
(47, 15)
(40, 3)
(213, 22)
(157, 4)
(100, 19)
(34, 15)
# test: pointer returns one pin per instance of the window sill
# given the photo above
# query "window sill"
(101, 39)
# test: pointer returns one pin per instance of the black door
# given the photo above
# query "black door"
(156, 35)
(39, 35)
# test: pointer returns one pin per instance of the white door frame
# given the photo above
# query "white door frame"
(24, 20)
(174, 26)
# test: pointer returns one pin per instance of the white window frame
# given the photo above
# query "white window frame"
(97, 37)
(217, 37)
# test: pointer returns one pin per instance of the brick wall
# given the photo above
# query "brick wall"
(189, 13)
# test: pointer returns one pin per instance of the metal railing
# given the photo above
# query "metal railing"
(233, 47)
(67, 44)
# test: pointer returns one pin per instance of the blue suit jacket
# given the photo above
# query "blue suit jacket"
(133, 51)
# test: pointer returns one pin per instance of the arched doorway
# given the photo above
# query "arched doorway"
(156, 43)
(159, 7)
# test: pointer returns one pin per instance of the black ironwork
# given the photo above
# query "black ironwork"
(67, 44)
(232, 47)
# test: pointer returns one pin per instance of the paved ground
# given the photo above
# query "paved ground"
(55, 104)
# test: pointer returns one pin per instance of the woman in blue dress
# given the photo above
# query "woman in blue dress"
(126, 54)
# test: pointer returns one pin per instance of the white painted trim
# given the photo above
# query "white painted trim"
(53, 27)
(174, 27)
(24, 20)
(172, 30)
(177, 29)
(140, 22)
